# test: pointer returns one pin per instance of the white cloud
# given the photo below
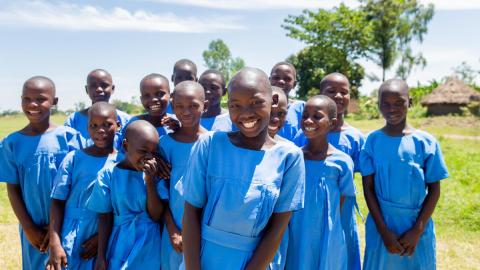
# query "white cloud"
(81, 18)
(453, 5)
(260, 4)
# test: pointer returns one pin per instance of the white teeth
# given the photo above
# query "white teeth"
(249, 124)
(309, 128)
(155, 107)
(33, 112)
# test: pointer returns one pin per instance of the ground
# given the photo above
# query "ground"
(457, 216)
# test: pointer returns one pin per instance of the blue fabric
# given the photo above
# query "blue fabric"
(316, 237)
(79, 122)
(208, 122)
(176, 153)
(350, 141)
(239, 190)
(74, 184)
(32, 162)
(224, 123)
(293, 120)
(170, 108)
(402, 167)
(135, 240)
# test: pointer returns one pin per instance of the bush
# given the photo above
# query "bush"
(367, 108)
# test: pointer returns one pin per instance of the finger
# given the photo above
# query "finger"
(64, 262)
(411, 250)
(48, 266)
(44, 245)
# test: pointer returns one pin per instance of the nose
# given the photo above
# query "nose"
(99, 89)
(274, 120)
(338, 95)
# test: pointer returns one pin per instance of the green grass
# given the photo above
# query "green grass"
(457, 216)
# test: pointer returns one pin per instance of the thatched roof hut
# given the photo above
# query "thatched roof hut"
(449, 97)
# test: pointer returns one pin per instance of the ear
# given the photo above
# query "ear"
(205, 105)
(172, 78)
(86, 89)
(125, 145)
(113, 88)
(55, 101)
(275, 100)
(333, 122)
(410, 102)
(119, 125)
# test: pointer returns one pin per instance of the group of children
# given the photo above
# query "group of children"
(188, 185)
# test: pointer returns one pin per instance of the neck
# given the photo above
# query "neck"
(318, 146)
(40, 127)
(156, 121)
(212, 111)
(254, 143)
(340, 123)
(105, 151)
(188, 134)
(397, 129)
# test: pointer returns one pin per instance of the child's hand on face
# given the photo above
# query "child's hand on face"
(36, 237)
(390, 240)
(163, 168)
(170, 122)
(150, 168)
(90, 248)
(57, 259)
(409, 241)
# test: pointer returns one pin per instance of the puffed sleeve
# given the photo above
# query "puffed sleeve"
(100, 199)
(8, 168)
(345, 181)
(435, 167)
(292, 190)
(63, 180)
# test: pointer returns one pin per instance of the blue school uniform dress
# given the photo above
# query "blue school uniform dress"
(135, 240)
(239, 190)
(32, 163)
(176, 154)
(402, 167)
(208, 122)
(350, 141)
(79, 122)
(316, 237)
(224, 123)
(74, 184)
(293, 120)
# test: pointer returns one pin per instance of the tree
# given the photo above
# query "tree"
(466, 73)
(336, 39)
(218, 57)
(394, 25)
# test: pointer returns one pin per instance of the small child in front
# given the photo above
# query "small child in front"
(130, 193)
(401, 168)
(240, 187)
(29, 160)
(316, 236)
(188, 101)
(73, 228)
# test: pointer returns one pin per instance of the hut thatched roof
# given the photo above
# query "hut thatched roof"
(454, 91)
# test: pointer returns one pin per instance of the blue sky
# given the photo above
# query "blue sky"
(64, 40)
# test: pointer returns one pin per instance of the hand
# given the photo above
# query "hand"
(176, 240)
(101, 264)
(90, 248)
(163, 168)
(409, 241)
(390, 240)
(46, 240)
(170, 122)
(150, 168)
(36, 237)
(57, 258)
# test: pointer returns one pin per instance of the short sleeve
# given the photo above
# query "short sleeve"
(359, 142)
(162, 189)
(63, 180)
(100, 199)
(435, 167)
(194, 181)
(366, 159)
(9, 170)
(292, 190)
(345, 182)
(75, 140)
(69, 121)
(300, 140)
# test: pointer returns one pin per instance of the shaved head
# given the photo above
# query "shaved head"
(40, 82)
(322, 100)
(251, 78)
(333, 78)
(102, 108)
(180, 64)
(141, 130)
(394, 85)
(189, 88)
(99, 73)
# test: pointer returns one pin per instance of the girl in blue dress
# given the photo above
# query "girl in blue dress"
(29, 160)
(188, 101)
(73, 228)
(131, 193)
(99, 87)
(213, 83)
(316, 236)
(401, 168)
(284, 75)
(240, 187)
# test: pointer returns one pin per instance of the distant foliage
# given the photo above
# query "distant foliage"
(133, 107)
(416, 93)
(219, 57)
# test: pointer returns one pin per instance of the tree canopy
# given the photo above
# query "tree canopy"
(219, 57)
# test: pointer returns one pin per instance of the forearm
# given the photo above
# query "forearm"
(169, 222)
(57, 211)
(18, 205)
(191, 236)
(372, 203)
(105, 223)
(154, 203)
(428, 206)
(268, 246)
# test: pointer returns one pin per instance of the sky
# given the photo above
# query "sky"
(65, 40)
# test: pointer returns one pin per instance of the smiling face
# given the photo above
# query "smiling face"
(394, 101)
(140, 143)
(154, 95)
(337, 87)
(38, 97)
(214, 86)
(102, 125)
(317, 118)
(99, 86)
(188, 103)
(278, 115)
(250, 101)
(283, 76)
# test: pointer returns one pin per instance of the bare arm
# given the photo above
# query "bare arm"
(35, 234)
(191, 236)
(389, 238)
(173, 231)
(58, 257)
(105, 223)
(270, 242)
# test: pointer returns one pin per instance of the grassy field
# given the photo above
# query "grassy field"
(457, 216)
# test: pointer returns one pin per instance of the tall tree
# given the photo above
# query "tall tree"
(219, 57)
(394, 25)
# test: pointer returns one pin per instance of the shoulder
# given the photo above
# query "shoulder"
(342, 159)
(11, 138)
(297, 105)
(351, 131)
(123, 114)
(374, 135)
(289, 150)
(424, 136)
